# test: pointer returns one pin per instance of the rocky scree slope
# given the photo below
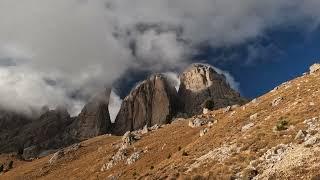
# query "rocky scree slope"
(275, 136)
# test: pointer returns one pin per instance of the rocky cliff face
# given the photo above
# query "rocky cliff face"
(154, 101)
(9, 120)
(201, 82)
(54, 128)
(47, 132)
(94, 118)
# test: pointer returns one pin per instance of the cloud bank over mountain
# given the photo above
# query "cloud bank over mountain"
(59, 52)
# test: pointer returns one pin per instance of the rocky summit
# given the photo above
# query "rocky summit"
(201, 82)
(94, 118)
(153, 101)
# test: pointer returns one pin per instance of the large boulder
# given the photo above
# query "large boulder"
(201, 82)
(153, 101)
(94, 119)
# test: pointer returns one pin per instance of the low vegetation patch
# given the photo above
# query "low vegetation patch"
(10, 165)
(282, 124)
(169, 156)
(184, 153)
(209, 104)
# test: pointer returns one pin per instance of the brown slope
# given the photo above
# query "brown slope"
(228, 149)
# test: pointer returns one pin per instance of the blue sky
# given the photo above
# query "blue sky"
(296, 51)
(292, 52)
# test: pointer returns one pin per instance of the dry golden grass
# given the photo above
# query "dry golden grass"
(178, 137)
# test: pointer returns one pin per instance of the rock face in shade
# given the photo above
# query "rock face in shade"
(9, 120)
(153, 101)
(200, 82)
(48, 132)
(54, 128)
(94, 119)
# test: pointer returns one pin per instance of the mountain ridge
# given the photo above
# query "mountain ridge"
(276, 135)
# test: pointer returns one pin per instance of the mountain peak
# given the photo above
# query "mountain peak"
(201, 82)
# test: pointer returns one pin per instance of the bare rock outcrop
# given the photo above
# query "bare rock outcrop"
(9, 120)
(314, 68)
(53, 129)
(94, 119)
(46, 132)
(153, 101)
(201, 82)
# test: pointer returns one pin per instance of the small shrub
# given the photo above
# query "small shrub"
(152, 167)
(20, 151)
(209, 104)
(169, 156)
(1, 168)
(249, 173)
(10, 165)
(184, 153)
(134, 173)
(282, 125)
(179, 148)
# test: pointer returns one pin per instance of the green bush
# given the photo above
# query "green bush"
(282, 125)
(209, 104)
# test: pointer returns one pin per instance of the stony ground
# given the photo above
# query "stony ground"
(275, 136)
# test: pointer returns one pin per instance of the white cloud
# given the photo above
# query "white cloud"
(173, 79)
(114, 105)
(84, 45)
(229, 78)
(24, 91)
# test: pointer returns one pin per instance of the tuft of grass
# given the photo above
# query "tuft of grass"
(282, 125)
(184, 153)
(1, 168)
(179, 148)
(209, 104)
(134, 173)
(152, 167)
